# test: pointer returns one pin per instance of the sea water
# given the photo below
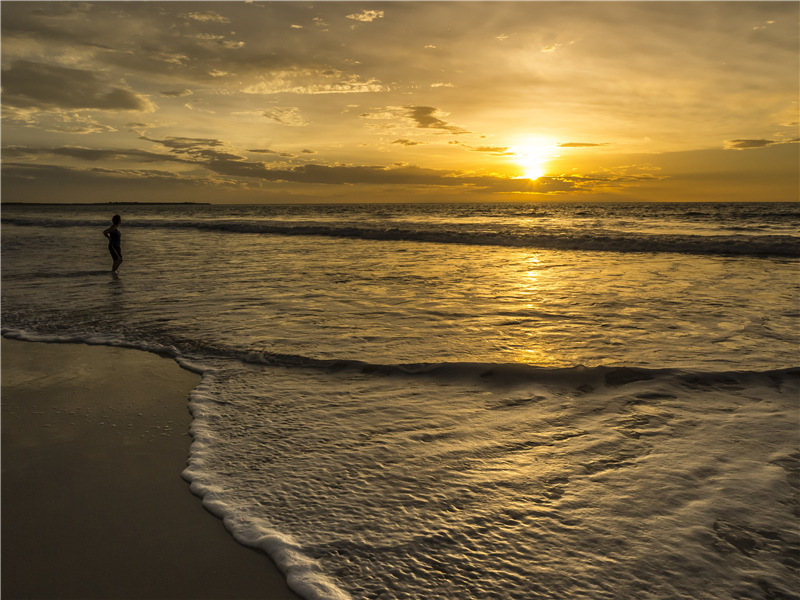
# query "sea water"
(510, 401)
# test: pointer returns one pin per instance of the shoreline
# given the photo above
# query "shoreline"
(94, 440)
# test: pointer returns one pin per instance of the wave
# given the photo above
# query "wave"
(570, 239)
(579, 377)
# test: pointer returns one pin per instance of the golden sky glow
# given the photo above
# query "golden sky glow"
(399, 101)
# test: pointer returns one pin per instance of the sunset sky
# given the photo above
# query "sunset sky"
(399, 101)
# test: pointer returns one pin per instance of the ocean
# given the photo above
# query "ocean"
(462, 401)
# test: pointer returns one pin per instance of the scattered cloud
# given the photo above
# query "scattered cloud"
(214, 40)
(312, 82)
(427, 117)
(495, 150)
(421, 117)
(207, 17)
(290, 116)
(124, 85)
(57, 120)
(750, 144)
(366, 16)
(200, 149)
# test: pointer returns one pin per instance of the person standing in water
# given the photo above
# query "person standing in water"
(114, 242)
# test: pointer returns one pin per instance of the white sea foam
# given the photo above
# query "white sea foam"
(574, 480)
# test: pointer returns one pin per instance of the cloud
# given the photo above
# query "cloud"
(56, 120)
(750, 144)
(39, 85)
(366, 16)
(208, 17)
(496, 150)
(200, 149)
(89, 154)
(211, 40)
(60, 183)
(286, 116)
(422, 117)
(313, 81)
(410, 175)
(579, 145)
(426, 118)
(268, 151)
(404, 142)
(237, 171)
(177, 93)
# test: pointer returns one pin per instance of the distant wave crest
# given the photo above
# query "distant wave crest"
(606, 241)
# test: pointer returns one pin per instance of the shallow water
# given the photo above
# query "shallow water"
(473, 401)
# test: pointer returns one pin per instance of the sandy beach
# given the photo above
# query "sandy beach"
(94, 440)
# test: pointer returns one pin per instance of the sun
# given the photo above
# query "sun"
(533, 158)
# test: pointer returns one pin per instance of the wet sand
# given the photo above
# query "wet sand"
(94, 440)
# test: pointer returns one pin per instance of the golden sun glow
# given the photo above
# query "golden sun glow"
(533, 158)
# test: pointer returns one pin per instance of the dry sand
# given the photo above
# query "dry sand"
(94, 440)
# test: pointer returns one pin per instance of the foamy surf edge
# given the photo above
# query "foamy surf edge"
(303, 574)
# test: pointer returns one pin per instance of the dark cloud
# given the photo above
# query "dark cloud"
(268, 151)
(28, 84)
(337, 175)
(177, 93)
(198, 148)
(234, 172)
(89, 154)
(404, 142)
(425, 118)
(60, 175)
(409, 175)
(750, 144)
(66, 184)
